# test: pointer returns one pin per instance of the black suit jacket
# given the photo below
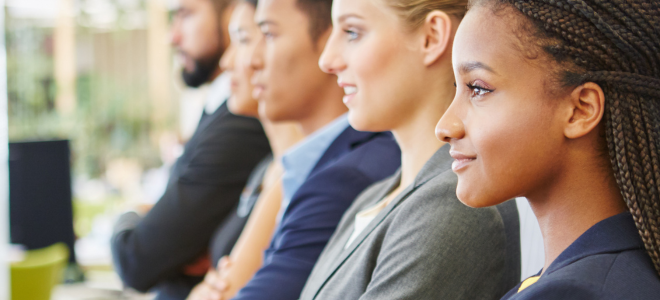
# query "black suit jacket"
(205, 184)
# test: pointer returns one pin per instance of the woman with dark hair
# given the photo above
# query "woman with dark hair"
(246, 257)
(557, 101)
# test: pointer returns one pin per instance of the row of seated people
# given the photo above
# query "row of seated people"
(372, 149)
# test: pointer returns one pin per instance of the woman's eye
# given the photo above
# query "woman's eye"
(352, 35)
(265, 30)
(477, 91)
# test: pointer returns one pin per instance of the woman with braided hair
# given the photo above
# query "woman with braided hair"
(559, 101)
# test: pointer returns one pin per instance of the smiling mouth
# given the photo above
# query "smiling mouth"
(461, 163)
(349, 92)
(257, 91)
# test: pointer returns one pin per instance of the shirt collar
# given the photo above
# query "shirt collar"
(219, 91)
(614, 234)
(301, 159)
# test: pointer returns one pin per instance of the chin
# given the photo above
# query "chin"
(273, 114)
(474, 198)
(232, 105)
(362, 123)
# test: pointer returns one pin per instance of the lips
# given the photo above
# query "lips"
(257, 91)
(461, 161)
(349, 91)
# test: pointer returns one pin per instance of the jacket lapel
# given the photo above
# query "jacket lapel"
(434, 167)
(345, 142)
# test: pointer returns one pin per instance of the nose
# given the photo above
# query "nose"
(228, 58)
(331, 60)
(450, 127)
(256, 57)
(175, 33)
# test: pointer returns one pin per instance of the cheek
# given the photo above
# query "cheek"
(513, 150)
(283, 64)
(377, 71)
(373, 64)
(199, 39)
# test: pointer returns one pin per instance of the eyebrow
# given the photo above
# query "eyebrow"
(474, 65)
(265, 22)
(347, 16)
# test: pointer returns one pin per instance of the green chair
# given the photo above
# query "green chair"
(35, 276)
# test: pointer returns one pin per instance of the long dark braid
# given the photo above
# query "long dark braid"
(616, 44)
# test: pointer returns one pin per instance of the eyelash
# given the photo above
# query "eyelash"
(352, 35)
(477, 91)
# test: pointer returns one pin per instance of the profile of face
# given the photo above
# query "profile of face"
(244, 33)
(195, 37)
(287, 77)
(505, 129)
(378, 61)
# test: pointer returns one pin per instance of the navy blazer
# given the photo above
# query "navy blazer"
(354, 161)
(607, 262)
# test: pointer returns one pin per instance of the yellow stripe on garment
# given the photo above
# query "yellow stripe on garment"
(529, 281)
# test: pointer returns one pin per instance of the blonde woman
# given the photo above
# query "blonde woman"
(408, 237)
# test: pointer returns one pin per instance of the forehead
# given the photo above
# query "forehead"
(278, 11)
(243, 15)
(377, 10)
(484, 37)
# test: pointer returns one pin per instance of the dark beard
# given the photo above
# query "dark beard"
(204, 69)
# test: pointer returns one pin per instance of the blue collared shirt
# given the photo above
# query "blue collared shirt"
(299, 161)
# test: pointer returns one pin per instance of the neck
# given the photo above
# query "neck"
(416, 135)
(574, 202)
(281, 136)
(328, 107)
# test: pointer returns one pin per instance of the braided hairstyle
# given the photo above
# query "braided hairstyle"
(616, 44)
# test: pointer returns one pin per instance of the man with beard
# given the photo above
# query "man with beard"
(166, 250)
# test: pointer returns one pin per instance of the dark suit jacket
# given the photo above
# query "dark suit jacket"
(224, 238)
(425, 244)
(353, 161)
(607, 262)
(230, 229)
(204, 186)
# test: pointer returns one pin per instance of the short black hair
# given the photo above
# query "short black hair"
(252, 2)
(319, 13)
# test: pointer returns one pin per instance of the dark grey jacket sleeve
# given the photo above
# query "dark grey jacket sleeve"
(205, 185)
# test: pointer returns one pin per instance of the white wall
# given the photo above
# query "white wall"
(4, 175)
(532, 251)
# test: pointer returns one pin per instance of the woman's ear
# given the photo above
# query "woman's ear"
(437, 35)
(588, 108)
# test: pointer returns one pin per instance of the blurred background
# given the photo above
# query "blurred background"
(97, 79)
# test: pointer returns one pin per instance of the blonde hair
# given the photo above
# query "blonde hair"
(414, 12)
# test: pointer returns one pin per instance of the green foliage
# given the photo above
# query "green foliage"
(112, 115)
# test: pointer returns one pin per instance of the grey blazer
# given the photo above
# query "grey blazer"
(425, 244)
